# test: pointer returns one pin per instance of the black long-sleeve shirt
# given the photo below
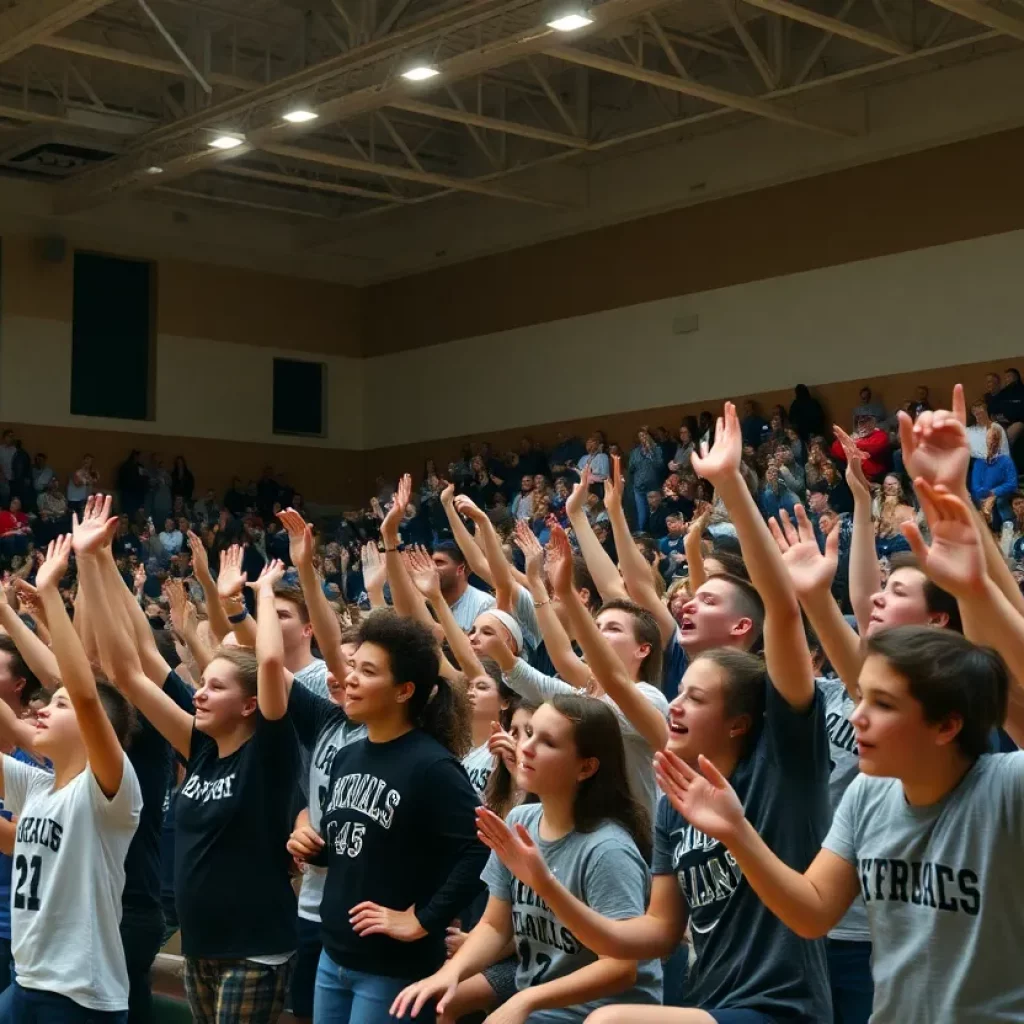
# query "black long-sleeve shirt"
(399, 828)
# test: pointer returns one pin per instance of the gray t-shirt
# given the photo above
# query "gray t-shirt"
(314, 678)
(479, 763)
(845, 758)
(745, 957)
(470, 605)
(602, 868)
(943, 891)
(537, 687)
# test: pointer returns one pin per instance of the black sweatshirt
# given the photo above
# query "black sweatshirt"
(400, 831)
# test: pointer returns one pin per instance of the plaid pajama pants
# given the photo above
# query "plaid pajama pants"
(236, 991)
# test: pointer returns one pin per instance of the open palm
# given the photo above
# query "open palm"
(94, 530)
(300, 537)
(955, 559)
(935, 448)
(515, 848)
(374, 569)
(574, 503)
(724, 457)
(707, 801)
(809, 570)
(423, 573)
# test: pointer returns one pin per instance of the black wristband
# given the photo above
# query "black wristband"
(240, 617)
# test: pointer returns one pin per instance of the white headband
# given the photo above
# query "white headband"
(510, 624)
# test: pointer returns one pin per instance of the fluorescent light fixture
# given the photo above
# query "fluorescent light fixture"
(226, 141)
(420, 72)
(570, 22)
(154, 170)
(300, 116)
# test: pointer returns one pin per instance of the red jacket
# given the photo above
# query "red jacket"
(876, 461)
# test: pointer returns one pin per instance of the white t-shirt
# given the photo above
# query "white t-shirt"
(67, 882)
(479, 763)
(470, 605)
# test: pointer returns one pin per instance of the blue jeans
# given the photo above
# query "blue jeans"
(34, 1007)
(352, 997)
(643, 510)
(853, 991)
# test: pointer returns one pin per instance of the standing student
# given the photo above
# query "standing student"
(399, 791)
(769, 737)
(233, 816)
(592, 831)
(932, 830)
(74, 830)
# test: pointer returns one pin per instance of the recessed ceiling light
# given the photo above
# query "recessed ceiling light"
(420, 72)
(571, 22)
(226, 141)
(300, 116)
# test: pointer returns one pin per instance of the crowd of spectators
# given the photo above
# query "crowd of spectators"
(790, 455)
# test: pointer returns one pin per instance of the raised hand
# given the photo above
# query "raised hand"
(447, 493)
(855, 478)
(615, 485)
(29, 597)
(374, 568)
(724, 458)
(955, 560)
(559, 562)
(526, 540)
(515, 849)
(271, 574)
(139, 578)
(935, 448)
(231, 580)
(372, 919)
(96, 528)
(465, 506)
(175, 593)
(705, 798)
(55, 567)
(423, 573)
(393, 520)
(200, 559)
(575, 502)
(502, 744)
(810, 571)
(300, 537)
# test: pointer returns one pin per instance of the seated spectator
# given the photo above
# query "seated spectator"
(796, 446)
(54, 517)
(977, 433)
(869, 406)
(890, 510)
(532, 457)
(597, 462)
(672, 549)
(171, 538)
(919, 403)
(206, 511)
(235, 498)
(994, 482)
(790, 471)
(568, 450)
(595, 510)
(806, 415)
(657, 514)
(754, 427)
(15, 532)
(540, 521)
(680, 460)
(871, 440)
(1007, 407)
(522, 503)
(775, 495)
(1013, 531)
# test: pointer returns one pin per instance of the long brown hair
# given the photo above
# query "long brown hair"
(606, 795)
(501, 793)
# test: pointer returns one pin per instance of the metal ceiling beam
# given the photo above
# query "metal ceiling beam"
(491, 123)
(311, 183)
(32, 20)
(757, 58)
(840, 28)
(974, 10)
(142, 60)
(402, 174)
(710, 94)
(291, 211)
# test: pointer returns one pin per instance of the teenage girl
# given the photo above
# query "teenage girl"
(592, 831)
(233, 816)
(74, 829)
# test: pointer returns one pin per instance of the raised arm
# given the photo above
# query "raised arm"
(186, 622)
(423, 574)
(39, 658)
(567, 664)
(103, 749)
(375, 575)
(324, 621)
(500, 572)
(955, 560)
(606, 577)
(636, 572)
(404, 596)
(603, 662)
(691, 545)
(811, 574)
(464, 540)
(230, 590)
(810, 904)
(273, 681)
(865, 573)
(219, 625)
(785, 645)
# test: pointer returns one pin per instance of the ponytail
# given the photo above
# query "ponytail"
(446, 717)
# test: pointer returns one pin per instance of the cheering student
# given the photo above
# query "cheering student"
(769, 738)
(233, 816)
(931, 832)
(74, 829)
(592, 831)
(401, 849)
